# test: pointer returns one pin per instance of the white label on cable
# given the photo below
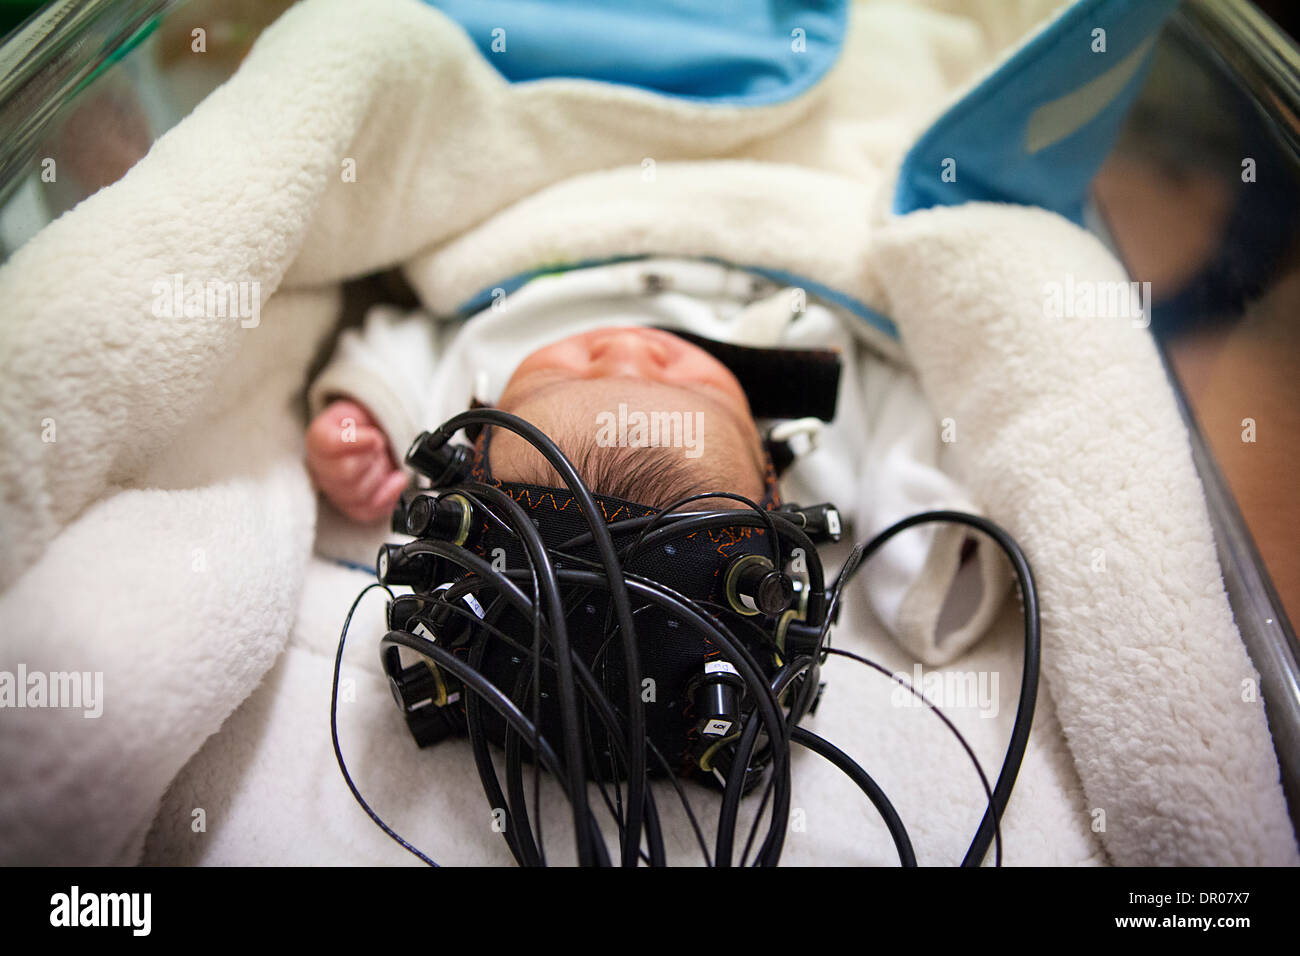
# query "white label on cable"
(717, 728)
(833, 522)
(424, 632)
(474, 605)
(719, 667)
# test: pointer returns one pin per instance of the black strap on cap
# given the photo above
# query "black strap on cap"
(779, 382)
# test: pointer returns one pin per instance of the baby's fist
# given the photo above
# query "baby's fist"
(350, 462)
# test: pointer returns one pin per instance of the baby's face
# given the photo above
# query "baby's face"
(572, 390)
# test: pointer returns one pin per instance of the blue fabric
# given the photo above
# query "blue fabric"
(987, 132)
(721, 52)
(1026, 134)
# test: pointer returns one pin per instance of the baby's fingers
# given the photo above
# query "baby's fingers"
(338, 439)
(381, 503)
(368, 482)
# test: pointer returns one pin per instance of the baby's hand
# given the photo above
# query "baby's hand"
(349, 459)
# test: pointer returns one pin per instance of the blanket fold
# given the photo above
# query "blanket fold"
(1068, 432)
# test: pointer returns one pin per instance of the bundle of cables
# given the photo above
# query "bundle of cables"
(610, 644)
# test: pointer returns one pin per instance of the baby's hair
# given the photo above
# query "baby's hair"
(654, 476)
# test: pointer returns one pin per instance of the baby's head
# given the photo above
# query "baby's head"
(703, 436)
(684, 578)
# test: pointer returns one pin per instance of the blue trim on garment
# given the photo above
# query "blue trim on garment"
(741, 53)
(499, 290)
(1013, 138)
(828, 294)
(352, 565)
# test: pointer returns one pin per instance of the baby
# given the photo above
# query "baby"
(879, 459)
(564, 389)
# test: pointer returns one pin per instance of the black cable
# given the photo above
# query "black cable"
(492, 695)
(806, 672)
(784, 527)
(334, 733)
(970, 751)
(485, 689)
(771, 846)
(668, 509)
(531, 849)
(824, 748)
(583, 690)
(989, 825)
(654, 832)
(586, 679)
(682, 607)
(695, 521)
(609, 719)
(518, 839)
(595, 519)
(631, 551)
(468, 676)
(741, 659)
(742, 757)
(517, 800)
(544, 573)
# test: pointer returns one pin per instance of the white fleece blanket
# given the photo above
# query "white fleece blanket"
(158, 522)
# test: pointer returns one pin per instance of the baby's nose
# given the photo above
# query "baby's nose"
(627, 352)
